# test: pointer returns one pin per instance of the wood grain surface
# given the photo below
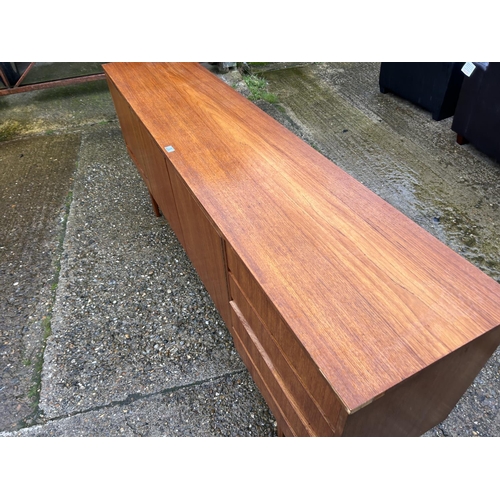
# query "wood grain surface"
(372, 298)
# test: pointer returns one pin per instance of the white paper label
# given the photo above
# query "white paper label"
(468, 68)
(169, 149)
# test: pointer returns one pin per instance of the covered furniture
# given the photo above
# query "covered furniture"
(435, 86)
(477, 117)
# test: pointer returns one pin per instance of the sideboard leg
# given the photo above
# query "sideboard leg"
(461, 140)
(156, 209)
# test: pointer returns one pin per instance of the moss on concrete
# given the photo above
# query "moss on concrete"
(10, 129)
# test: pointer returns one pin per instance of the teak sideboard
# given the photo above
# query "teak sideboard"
(352, 319)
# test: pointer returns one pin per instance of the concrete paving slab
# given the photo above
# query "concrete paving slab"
(36, 175)
(55, 110)
(229, 405)
(399, 152)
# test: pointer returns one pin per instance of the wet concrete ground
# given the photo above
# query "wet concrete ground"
(107, 329)
(395, 149)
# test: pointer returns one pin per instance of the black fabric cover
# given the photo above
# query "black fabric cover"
(10, 73)
(434, 86)
(477, 117)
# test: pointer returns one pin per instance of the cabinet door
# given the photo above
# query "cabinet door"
(130, 127)
(149, 159)
(159, 183)
(203, 244)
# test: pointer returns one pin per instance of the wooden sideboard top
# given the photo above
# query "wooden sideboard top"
(373, 297)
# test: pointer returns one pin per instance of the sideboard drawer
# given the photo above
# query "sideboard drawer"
(290, 419)
(318, 422)
(293, 353)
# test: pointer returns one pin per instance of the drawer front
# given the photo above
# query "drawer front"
(312, 414)
(290, 421)
(293, 352)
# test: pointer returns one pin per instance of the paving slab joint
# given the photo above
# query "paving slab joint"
(34, 393)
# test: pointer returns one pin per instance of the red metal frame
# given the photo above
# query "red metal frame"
(18, 88)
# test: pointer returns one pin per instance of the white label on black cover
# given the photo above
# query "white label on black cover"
(468, 68)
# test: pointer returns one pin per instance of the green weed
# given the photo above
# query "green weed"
(10, 129)
(258, 89)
